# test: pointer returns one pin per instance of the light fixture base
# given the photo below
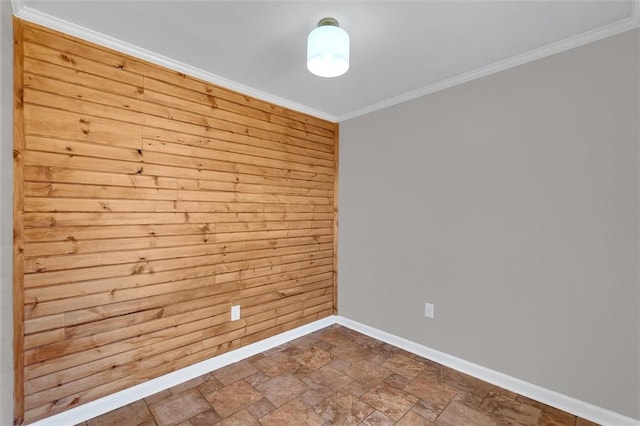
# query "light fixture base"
(328, 21)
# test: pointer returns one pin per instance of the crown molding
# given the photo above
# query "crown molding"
(17, 6)
(626, 24)
(32, 15)
(37, 17)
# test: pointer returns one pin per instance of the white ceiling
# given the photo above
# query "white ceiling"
(399, 50)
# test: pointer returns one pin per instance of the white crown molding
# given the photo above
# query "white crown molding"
(629, 23)
(563, 402)
(32, 15)
(127, 396)
(37, 17)
(17, 6)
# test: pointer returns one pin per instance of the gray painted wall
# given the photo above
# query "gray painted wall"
(511, 202)
(6, 206)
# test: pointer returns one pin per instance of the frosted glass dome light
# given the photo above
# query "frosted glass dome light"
(328, 49)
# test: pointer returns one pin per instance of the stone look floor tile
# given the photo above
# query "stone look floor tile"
(311, 398)
(531, 402)
(508, 411)
(314, 358)
(426, 410)
(343, 409)
(326, 379)
(277, 364)
(260, 408)
(257, 378)
(349, 351)
(550, 416)
(404, 366)
(413, 419)
(157, 397)
(234, 372)
(556, 418)
(375, 357)
(466, 383)
(209, 386)
(389, 350)
(336, 336)
(457, 414)
(336, 376)
(355, 389)
(282, 389)
(234, 397)
(378, 419)
(307, 342)
(255, 357)
(339, 364)
(324, 345)
(206, 418)
(471, 401)
(367, 373)
(302, 344)
(241, 418)
(434, 373)
(135, 413)
(292, 413)
(392, 402)
(189, 384)
(495, 390)
(397, 381)
(277, 349)
(178, 408)
(436, 395)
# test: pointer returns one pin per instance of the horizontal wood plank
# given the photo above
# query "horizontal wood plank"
(151, 202)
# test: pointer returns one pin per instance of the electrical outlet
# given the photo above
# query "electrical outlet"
(429, 310)
(235, 313)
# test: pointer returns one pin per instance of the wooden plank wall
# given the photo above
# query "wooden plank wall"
(152, 202)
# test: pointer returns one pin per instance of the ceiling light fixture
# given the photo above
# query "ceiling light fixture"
(328, 49)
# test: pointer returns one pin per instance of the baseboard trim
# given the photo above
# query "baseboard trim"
(563, 402)
(127, 396)
(549, 397)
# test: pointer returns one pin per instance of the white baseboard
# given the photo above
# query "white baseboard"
(563, 402)
(546, 396)
(127, 396)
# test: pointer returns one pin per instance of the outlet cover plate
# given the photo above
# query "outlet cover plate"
(235, 313)
(429, 310)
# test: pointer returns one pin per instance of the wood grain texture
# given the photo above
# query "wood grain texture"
(147, 203)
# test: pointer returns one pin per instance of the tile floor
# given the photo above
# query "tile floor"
(336, 376)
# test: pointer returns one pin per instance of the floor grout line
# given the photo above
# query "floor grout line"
(324, 376)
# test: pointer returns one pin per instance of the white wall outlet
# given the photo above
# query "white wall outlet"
(235, 313)
(428, 310)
